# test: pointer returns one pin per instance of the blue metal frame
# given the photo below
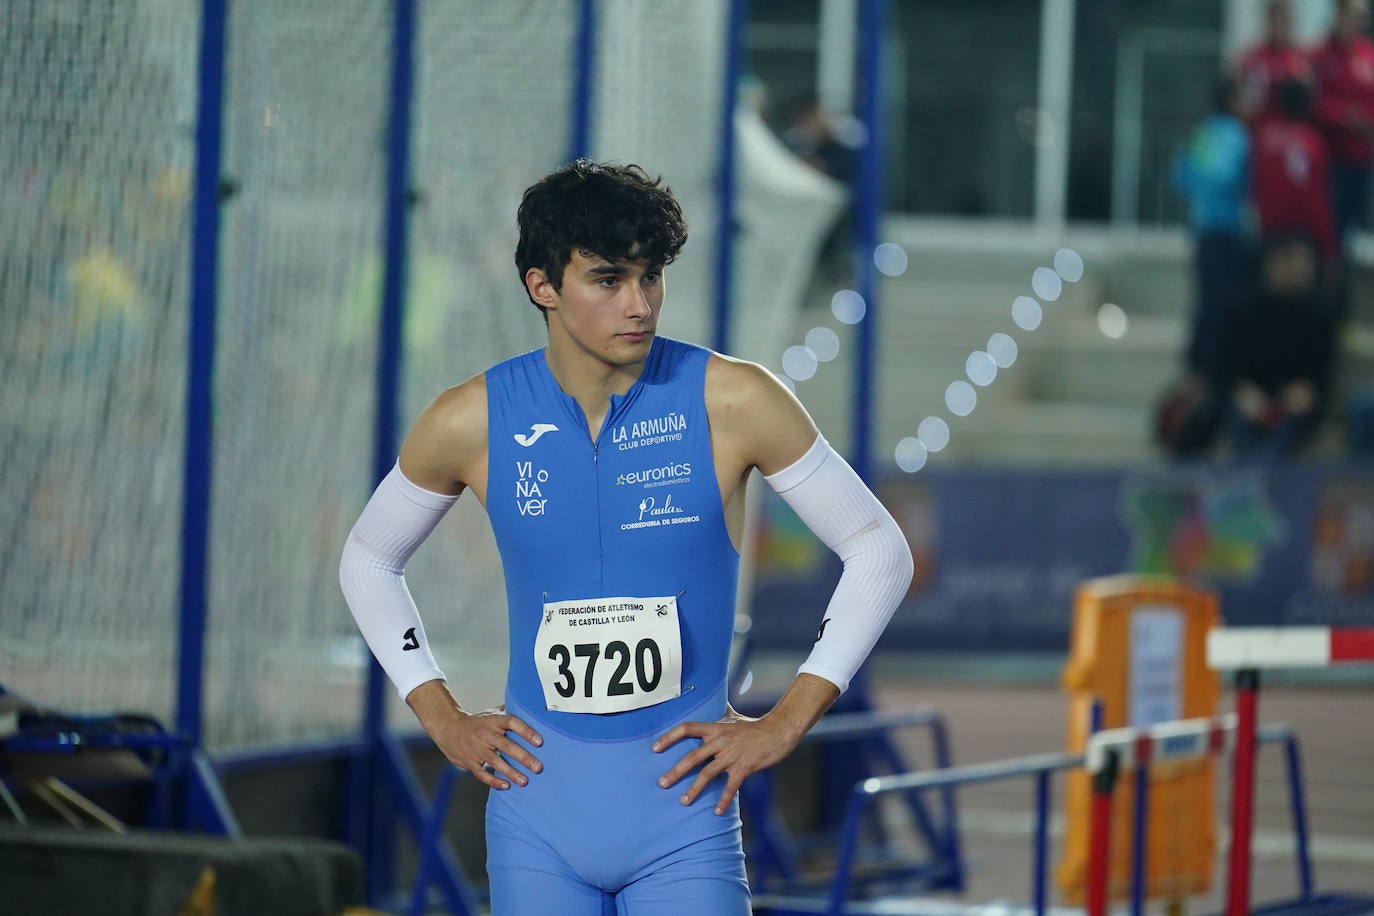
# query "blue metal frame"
(173, 761)
(1138, 840)
(868, 206)
(382, 778)
(736, 17)
(1041, 766)
(200, 371)
(433, 850)
(1040, 862)
(774, 853)
(584, 63)
(1298, 816)
(201, 801)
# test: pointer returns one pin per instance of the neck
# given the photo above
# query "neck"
(588, 380)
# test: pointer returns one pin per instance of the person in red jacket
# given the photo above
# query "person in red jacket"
(1344, 109)
(1290, 173)
(1275, 59)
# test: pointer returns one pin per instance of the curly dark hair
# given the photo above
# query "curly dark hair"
(615, 211)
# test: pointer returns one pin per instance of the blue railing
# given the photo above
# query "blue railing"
(1041, 767)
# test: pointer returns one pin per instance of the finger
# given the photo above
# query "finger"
(678, 732)
(516, 752)
(731, 790)
(486, 777)
(708, 773)
(505, 768)
(687, 764)
(521, 728)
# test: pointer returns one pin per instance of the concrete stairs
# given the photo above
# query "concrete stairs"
(1074, 395)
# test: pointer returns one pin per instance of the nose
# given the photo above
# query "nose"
(637, 303)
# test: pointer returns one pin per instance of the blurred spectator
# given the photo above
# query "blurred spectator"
(1344, 109)
(1211, 173)
(1278, 352)
(828, 145)
(811, 135)
(1275, 59)
(1292, 170)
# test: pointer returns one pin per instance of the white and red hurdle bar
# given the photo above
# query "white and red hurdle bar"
(1243, 650)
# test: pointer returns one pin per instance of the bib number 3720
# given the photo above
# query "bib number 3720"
(606, 655)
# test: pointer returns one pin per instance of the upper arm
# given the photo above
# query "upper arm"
(755, 420)
(446, 449)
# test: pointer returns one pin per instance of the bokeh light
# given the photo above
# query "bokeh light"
(1046, 283)
(1026, 312)
(1002, 348)
(823, 342)
(848, 306)
(961, 398)
(980, 368)
(799, 362)
(1112, 321)
(933, 433)
(910, 454)
(1068, 264)
(890, 258)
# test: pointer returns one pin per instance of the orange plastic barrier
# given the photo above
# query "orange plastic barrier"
(1139, 646)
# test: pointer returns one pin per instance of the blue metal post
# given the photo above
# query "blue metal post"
(584, 62)
(1140, 837)
(736, 17)
(1298, 810)
(376, 830)
(200, 372)
(868, 205)
(1040, 868)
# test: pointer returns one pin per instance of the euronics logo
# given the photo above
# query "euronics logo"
(664, 473)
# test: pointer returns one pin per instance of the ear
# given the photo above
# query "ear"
(540, 288)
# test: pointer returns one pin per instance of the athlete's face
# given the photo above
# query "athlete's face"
(606, 308)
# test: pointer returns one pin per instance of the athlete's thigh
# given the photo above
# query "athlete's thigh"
(517, 891)
(527, 877)
(702, 895)
(705, 879)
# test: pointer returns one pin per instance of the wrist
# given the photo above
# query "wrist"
(802, 706)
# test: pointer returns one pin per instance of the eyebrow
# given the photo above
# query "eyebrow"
(606, 269)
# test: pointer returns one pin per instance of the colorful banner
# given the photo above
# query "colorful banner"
(999, 553)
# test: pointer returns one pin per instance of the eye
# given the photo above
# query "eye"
(608, 282)
(651, 278)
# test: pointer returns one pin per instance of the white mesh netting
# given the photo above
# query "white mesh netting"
(97, 106)
(98, 110)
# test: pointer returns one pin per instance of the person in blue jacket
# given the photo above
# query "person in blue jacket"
(1212, 174)
(612, 464)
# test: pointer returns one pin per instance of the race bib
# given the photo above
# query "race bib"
(603, 655)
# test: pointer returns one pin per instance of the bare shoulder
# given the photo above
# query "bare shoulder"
(446, 448)
(754, 416)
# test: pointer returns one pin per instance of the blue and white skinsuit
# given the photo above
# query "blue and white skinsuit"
(634, 514)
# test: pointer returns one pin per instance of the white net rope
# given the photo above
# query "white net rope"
(97, 104)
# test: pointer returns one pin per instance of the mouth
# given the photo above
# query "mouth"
(635, 336)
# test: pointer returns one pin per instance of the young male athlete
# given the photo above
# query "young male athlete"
(612, 464)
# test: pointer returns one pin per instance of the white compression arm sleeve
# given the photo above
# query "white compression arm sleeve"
(396, 521)
(834, 503)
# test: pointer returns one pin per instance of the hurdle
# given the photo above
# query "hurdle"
(1105, 752)
(1244, 651)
